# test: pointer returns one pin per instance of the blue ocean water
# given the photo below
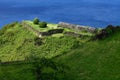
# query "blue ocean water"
(95, 13)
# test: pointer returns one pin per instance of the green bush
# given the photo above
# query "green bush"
(108, 31)
(47, 69)
(36, 21)
(38, 41)
(42, 24)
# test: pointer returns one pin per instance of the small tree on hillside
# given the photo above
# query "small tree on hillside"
(47, 69)
(36, 21)
(42, 24)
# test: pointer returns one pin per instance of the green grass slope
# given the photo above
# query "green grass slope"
(18, 43)
(93, 60)
(98, 60)
(16, 72)
(12, 40)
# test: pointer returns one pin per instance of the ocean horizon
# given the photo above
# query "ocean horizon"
(83, 12)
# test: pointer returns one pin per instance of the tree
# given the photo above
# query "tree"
(36, 21)
(108, 31)
(47, 69)
(42, 24)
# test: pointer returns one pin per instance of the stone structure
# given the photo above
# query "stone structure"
(77, 27)
(75, 34)
(54, 31)
(50, 32)
(40, 34)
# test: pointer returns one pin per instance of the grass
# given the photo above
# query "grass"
(16, 72)
(9, 51)
(94, 60)
(49, 26)
(57, 35)
(18, 43)
(98, 60)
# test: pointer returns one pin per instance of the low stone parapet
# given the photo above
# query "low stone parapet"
(77, 27)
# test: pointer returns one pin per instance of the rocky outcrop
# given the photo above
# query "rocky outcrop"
(77, 27)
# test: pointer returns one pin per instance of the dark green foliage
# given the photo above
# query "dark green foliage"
(76, 45)
(94, 60)
(38, 41)
(36, 21)
(112, 29)
(3, 41)
(46, 69)
(108, 31)
(42, 24)
(16, 72)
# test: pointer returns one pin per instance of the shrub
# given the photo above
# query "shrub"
(47, 69)
(42, 24)
(38, 41)
(36, 21)
(109, 30)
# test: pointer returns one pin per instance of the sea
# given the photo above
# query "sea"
(94, 13)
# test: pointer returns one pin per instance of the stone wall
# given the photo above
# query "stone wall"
(77, 27)
(75, 34)
(54, 31)
(50, 32)
(40, 34)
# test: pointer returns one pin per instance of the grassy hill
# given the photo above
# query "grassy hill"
(87, 60)
(98, 60)
(16, 72)
(18, 43)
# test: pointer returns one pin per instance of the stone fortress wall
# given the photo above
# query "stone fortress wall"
(77, 27)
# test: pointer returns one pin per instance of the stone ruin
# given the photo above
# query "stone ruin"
(75, 34)
(50, 32)
(77, 27)
(40, 34)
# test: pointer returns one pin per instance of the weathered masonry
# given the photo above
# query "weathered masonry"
(40, 34)
(77, 27)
